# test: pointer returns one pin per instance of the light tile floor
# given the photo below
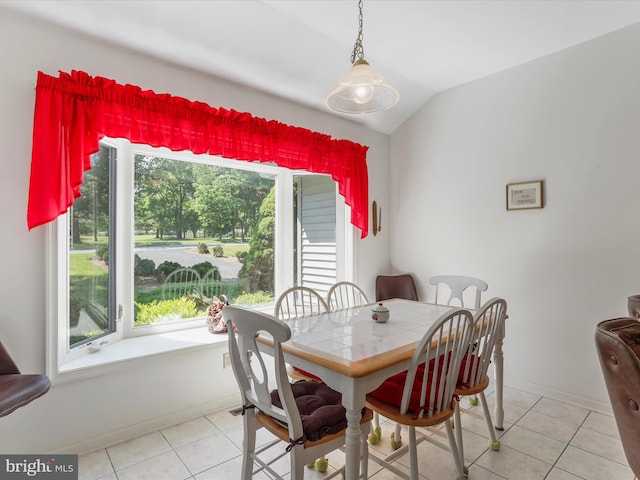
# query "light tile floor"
(543, 440)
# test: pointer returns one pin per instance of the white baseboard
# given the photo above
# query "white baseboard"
(601, 407)
(136, 430)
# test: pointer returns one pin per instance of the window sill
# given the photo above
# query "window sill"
(112, 355)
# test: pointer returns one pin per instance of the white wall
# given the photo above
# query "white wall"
(571, 119)
(147, 394)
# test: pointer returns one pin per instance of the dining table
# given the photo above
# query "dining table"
(354, 354)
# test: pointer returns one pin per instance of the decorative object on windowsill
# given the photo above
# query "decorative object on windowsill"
(362, 90)
(380, 313)
(524, 195)
(376, 217)
(214, 315)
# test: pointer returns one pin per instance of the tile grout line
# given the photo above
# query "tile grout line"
(502, 434)
(566, 447)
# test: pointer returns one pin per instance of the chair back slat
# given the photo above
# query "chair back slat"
(437, 358)
(297, 302)
(344, 295)
(488, 325)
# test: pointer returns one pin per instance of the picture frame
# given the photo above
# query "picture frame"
(524, 195)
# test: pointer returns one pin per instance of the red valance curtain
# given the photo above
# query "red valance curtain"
(74, 111)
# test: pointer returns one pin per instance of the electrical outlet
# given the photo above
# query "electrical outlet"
(226, 360)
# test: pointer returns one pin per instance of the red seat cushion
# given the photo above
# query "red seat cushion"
(391, 390)
(463, 380)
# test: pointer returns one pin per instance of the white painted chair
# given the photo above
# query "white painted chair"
(457, 285)
(294, 436)
(299, 302)
(473, 378)
(427, 391)
(343, 295)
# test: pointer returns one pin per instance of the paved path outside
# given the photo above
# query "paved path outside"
(189, 256)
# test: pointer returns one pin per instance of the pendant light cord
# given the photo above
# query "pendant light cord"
(358, 49)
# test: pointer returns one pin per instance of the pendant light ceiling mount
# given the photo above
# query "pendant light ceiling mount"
(362, 89)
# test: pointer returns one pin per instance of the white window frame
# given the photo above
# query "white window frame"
(110, 350)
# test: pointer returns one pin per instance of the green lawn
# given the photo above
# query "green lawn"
(80, 264)
(231, 250)
(88, 281)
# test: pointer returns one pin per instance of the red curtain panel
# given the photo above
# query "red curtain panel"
(74, 111)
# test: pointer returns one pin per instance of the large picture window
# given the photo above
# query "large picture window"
(157, 236)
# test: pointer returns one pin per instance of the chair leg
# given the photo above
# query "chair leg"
(413, 452)
(248, 444)
(461, 474)
(376, 433)
(396, 439)
(296, 467)
(494, 443)
(458, 430)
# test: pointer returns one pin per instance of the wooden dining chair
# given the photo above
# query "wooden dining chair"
(345, 295)
(299, 301)
(307, 418)
(423, 396)
(456, 286)
(473, 378)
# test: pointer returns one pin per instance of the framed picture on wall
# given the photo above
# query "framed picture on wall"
(524, 195)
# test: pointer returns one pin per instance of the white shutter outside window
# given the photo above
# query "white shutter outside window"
(317, 249)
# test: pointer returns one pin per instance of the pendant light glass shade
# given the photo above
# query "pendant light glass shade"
(362, 90)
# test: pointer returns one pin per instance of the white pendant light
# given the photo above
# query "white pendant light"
(362, 89)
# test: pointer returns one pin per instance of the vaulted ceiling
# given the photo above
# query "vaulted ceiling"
(299, 49)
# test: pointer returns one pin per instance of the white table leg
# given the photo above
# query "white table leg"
(352, 444)
(498, 359)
